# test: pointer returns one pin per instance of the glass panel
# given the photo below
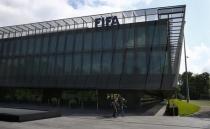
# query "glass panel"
(106, 62)
(68, 64)
(78, 43)
(87, 41)
(119, 40)
(86, 63)
(96, 63)
(129, 37)
(11, 46)
(163, 34)
(59, 65)
(36, 66)
(140, 36)
(3, 67)
(24, 46)
(45, 44)
(129, 63)
(107, 39)
(53, 43)
(77, 64)
(117, 63)
(141, 63)
(5, 48)
(150, 34)
(18, 47)
(38, 45)
(97, 40)
(61, 43)
(157, 62)
(22, 67)
(51, 65)
(31, 45)
(69, 42)
(43, 66)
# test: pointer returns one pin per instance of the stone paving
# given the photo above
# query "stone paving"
(99, 122)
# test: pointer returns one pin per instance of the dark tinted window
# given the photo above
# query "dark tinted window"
(97, 40)
(87, 41)
(45, 44)
(117, 63)
(106, 62)
(78, 43)
(70, 42)
(96, 63)
(77, 64)
(61, 43)
(53, 43)
(86, 63)
(129, 63)
(107, 39)
(68, 64)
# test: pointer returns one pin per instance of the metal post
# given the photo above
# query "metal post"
(187, 86)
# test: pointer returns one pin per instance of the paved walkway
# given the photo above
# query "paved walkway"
(203, 113)
(97, 122)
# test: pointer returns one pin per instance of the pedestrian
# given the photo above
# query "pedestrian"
(114, 107)
(122, 105)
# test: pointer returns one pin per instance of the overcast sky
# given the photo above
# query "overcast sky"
(197, 29)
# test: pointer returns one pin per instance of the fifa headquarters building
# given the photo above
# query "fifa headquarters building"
(132, 52)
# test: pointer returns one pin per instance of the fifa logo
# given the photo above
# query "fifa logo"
(106, 21)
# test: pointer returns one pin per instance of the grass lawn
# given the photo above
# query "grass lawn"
(184, 107)
(201, 102)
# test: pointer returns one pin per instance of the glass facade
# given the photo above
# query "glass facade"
(130, 50)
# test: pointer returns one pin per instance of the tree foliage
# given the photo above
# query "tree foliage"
(199, 84)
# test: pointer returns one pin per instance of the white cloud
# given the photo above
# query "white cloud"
(199, 58)
(25, 11)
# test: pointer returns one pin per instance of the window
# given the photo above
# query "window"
(36, 66)
(78, 43)
(38, 45)
(141, 63)
(5, 48)
(24, 46)
(61, 43)
(87, 41)
(31, 45)
(53, 43)
(97, 40)
(150, 34)
(68, 64)
(51, 65)
(18, 47)
(70, 42)
(106, 62)
(77, 64)
(59, 65)
(140, 36)
(11, 46)
(117, 63)
(43, 66)
(157, 62)
(86, 63)
(119, 38)
(129, 37)
(107, 39)
(129, 63)
(96, 63)
(45, 44)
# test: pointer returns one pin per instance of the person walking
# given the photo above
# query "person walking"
(114, 107)
(122, 105)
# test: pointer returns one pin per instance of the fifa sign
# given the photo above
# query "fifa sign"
(106, 21)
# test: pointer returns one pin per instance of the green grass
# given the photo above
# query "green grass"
(200, 102)
(184, 108)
